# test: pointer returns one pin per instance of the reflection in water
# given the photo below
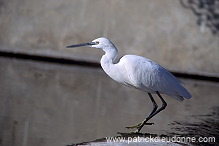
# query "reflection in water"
(204, 126)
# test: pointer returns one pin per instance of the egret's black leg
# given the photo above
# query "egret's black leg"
(154, 104)
(154, 110)
(164, 104)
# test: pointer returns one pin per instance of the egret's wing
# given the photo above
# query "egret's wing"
(149, 76)
(167, 83)
(170, 74)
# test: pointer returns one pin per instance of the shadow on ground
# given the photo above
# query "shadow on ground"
(205, 127)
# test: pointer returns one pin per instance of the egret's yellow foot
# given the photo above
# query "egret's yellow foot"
(139, 125)
(135, 126)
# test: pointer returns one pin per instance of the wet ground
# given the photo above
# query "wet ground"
(54, 104)
(201, 130)
(204, 126)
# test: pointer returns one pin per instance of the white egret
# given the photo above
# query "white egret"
(140, 73)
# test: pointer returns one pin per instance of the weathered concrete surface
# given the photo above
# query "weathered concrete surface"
(50, 104)
(161, 30)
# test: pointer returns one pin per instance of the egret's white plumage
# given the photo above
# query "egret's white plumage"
(140, 73)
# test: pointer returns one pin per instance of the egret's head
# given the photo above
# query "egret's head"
(101, 43)
(97, 43)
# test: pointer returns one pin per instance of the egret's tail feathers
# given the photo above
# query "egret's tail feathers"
(187, 95)
(183, 92)
(181, 95)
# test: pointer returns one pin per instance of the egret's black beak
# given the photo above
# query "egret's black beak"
(80, 45)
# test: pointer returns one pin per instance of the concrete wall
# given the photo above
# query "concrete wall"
(163, 31)
(52, 104)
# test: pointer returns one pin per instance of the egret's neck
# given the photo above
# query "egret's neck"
(109, 66)
(107, 61)
(110, 56)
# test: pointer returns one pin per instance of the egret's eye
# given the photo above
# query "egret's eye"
(97, 42)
